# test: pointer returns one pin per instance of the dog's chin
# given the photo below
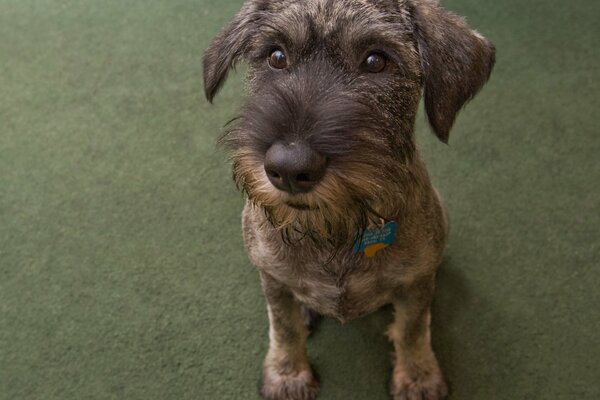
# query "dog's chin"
(310, 221)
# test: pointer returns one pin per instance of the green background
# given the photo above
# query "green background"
(122, 270)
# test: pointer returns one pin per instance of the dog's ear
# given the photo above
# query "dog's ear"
(456, 61)
(227, 49)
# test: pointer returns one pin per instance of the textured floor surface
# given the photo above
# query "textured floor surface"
(122, 271)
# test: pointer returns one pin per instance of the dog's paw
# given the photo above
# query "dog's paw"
(424, 387)
(300, 385)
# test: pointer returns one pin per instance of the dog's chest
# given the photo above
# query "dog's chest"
(342, 296)
(343, 288)
(346, 286)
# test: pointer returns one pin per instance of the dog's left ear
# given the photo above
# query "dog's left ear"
(456, 61)
(227, 49)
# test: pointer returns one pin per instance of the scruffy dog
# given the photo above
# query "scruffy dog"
(341, 216)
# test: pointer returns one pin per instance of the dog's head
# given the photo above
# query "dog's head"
(326, 134)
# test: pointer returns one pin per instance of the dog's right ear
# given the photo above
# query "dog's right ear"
(227, 49)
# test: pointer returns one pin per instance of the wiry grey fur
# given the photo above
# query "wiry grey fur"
(302, 244)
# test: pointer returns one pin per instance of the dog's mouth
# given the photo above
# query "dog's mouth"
(300, 206)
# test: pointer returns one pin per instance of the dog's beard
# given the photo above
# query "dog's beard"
(334, 213)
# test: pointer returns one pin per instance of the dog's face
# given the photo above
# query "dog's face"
(325, 140)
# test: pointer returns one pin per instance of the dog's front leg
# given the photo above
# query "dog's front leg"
(286, 373)
(416, 371)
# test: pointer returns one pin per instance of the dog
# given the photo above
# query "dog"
(341, 217)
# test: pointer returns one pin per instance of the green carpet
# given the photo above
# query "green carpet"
(122, 270)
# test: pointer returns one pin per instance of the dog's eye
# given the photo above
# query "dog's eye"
(374, 63)
(277, 59)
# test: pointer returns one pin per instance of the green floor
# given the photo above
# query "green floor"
(122, 272)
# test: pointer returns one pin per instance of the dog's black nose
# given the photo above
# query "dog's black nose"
(295, 167)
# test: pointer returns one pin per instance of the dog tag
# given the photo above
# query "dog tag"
(376, 238)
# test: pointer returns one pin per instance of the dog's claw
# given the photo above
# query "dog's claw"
(299, 386)
(430, 387)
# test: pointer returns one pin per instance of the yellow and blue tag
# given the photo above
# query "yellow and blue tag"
(376, 238)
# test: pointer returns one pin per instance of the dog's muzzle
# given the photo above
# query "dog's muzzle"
(294, 167)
